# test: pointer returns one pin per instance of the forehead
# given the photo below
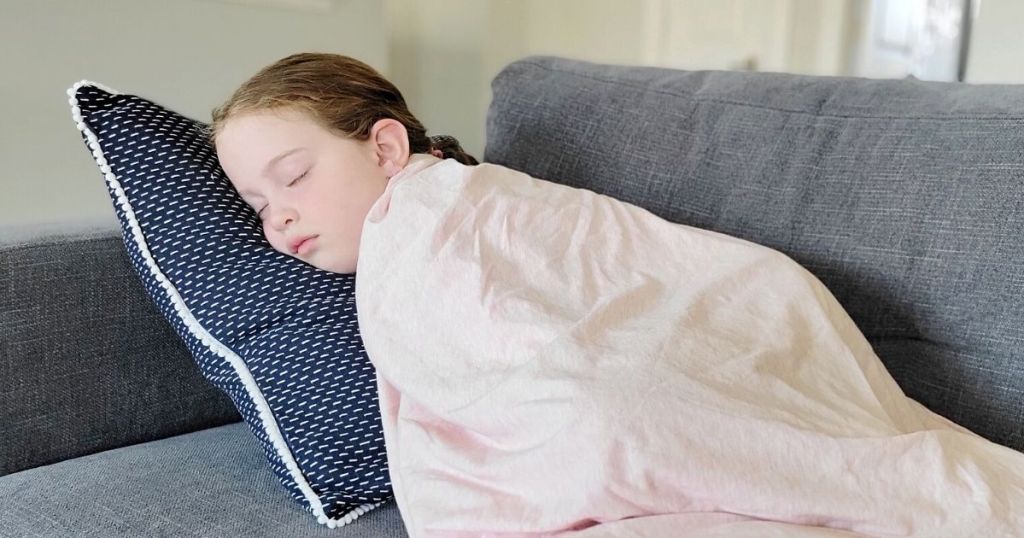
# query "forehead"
(252, 133)
(247, 143)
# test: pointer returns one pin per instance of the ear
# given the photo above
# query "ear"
(390, 141)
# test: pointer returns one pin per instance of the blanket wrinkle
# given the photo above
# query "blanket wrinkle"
(573, 365)
(608, 317)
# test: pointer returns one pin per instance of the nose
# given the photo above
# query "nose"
(281, 218)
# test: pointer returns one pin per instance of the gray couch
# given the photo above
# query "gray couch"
(906, 198)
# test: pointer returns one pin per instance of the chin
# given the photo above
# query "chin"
(327, 263)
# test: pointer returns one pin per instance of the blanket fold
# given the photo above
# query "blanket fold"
(553, 360)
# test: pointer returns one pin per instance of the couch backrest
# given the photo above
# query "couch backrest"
(87, 363)
(906, 198)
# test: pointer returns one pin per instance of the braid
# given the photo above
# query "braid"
(450, 148)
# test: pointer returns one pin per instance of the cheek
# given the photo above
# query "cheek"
(274, 239)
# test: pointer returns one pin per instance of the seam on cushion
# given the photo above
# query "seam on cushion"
(267, 419)
(33, 244)
(692, 96)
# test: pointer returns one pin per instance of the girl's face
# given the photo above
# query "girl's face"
(307, 182)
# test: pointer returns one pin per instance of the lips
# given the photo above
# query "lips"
(300, 243)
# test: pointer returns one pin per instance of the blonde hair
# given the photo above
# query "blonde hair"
(342, 94)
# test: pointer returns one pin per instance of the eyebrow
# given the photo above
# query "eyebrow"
(273, 162)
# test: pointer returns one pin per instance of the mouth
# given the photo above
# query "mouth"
(303, 244)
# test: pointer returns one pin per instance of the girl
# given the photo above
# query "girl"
(310, 143)
(549, 359)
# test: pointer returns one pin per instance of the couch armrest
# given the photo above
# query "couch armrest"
(87, 362)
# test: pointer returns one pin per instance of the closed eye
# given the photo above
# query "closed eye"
(260, 212)
(298, 178)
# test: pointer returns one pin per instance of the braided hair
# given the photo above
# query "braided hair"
(450, 149)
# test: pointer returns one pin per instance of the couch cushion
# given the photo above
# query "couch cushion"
(210, 483)
(906, 198)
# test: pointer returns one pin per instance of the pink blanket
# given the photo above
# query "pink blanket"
(553, 360)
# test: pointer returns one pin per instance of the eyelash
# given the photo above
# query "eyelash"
(260, 212)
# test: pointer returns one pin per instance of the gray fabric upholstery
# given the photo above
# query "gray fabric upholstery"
(86, 361)
(906, 198)
(214, 483)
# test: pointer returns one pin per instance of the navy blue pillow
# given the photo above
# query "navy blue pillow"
(279, 336)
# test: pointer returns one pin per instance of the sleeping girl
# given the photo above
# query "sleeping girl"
(310, 143)
(551, 360)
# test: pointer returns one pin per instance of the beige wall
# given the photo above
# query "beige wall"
(436, 58)
(996, 43)
(819, 36)
(186, 54)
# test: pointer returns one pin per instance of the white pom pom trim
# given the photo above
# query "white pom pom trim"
(270, 426)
